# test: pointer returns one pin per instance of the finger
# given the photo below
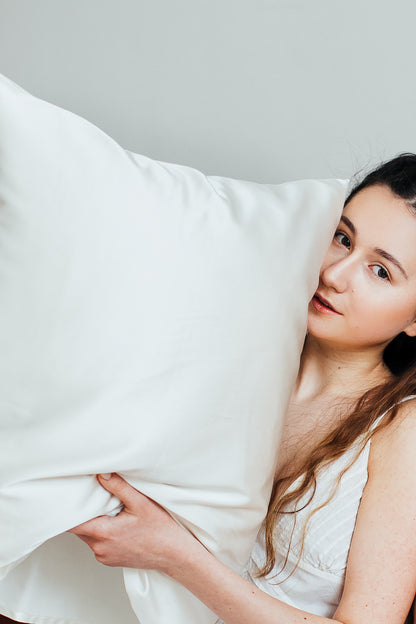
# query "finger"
(98, 547)
(88, 540)
(119, 487)
(96, 528)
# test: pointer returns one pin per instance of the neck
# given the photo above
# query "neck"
(327, 371)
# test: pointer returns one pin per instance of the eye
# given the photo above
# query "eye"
(342, 239)
(380, 272)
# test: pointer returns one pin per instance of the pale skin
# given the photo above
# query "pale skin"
(373, 298)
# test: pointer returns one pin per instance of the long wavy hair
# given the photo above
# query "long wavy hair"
(399, 175)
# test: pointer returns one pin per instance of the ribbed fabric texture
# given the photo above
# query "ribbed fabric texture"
(317, 582)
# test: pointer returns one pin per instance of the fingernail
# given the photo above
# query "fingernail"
(106, 476)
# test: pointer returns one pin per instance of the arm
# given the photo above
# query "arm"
(144, 535)
(381, 571)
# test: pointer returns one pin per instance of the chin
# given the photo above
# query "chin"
(322, 327)
(321, 331)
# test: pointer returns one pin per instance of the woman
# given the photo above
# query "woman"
(339, 540)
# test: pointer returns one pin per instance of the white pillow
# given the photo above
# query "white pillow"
(151, 324)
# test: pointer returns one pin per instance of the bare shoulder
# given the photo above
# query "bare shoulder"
(381, 576)
(395, 443)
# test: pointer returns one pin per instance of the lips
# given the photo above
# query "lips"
(323, 305)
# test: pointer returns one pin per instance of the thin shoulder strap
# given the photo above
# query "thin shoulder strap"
(375, 423)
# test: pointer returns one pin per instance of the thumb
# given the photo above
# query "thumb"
(116, 485)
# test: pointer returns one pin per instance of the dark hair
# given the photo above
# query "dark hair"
(399, 175)
(382, 401)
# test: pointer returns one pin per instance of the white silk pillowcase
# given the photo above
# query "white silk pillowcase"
(151, 324)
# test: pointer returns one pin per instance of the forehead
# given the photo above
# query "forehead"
(383, 220)
(378, 210)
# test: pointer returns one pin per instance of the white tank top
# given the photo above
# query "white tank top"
(317, 583)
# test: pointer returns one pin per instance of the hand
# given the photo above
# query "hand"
(143, 535)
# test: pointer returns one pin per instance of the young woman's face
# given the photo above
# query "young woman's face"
(367, 284)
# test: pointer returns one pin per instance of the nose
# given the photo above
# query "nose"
(336, 274)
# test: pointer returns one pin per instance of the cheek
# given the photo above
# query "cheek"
(385, 315)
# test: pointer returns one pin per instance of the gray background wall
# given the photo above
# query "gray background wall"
(266, 90)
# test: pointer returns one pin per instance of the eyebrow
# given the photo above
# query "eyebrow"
(380, 252)
(392, 259)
